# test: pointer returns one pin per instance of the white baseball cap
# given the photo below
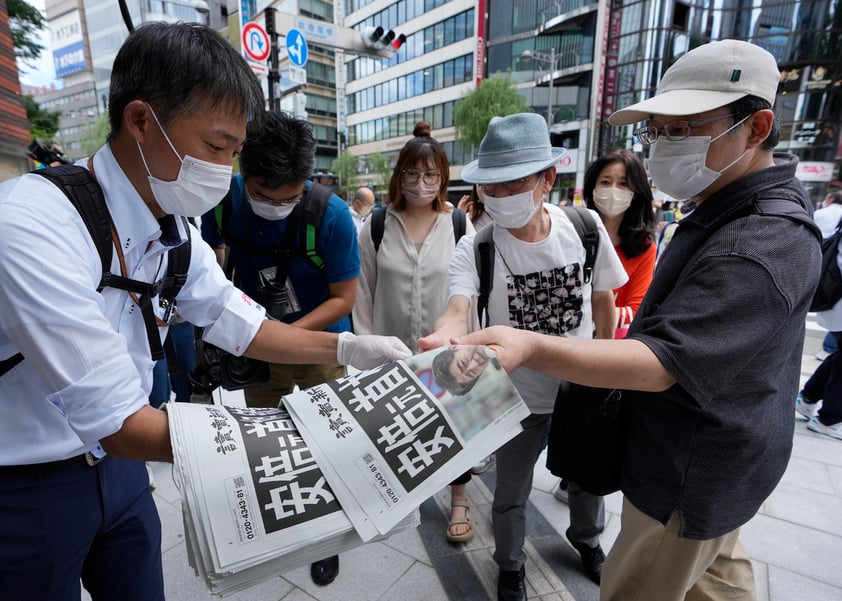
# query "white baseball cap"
(708, 77)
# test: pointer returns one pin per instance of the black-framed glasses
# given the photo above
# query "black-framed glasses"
(276, 202)
(411, 176)
(515, 186)
(674, 131)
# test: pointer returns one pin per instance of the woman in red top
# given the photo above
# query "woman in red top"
(616, 186)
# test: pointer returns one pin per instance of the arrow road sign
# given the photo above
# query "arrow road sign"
(256, 42)
(296, 48)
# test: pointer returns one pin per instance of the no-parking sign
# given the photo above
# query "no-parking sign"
(256, 42)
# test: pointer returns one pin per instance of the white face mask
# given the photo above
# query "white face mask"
(512, 212)
(612, 202)
(420, 194)
(269, 211)
(678, 168)
(198, 188)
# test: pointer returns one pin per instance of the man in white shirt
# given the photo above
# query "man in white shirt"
(362, 206)
(539, 285)
(76, 424)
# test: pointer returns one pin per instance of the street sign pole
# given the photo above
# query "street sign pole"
(274, 76)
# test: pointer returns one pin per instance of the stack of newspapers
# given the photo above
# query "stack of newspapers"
(347, 462)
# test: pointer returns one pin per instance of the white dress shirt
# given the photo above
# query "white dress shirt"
(87, 363)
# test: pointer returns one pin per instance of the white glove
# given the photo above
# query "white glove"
(365, 352)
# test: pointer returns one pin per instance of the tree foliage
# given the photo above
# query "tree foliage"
(94, 134)
(382, 166)
(346, 166)
(497, 96)
(26, 21)
(42, 123)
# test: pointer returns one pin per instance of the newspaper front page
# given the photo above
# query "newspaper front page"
(391, 437)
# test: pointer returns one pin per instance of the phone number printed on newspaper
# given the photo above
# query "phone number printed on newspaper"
(401, 418)
(241, 510)
(385, 490)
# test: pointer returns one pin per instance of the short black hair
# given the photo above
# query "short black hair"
(279, 150)
(746, 106)
(835, 197)
(180, 68)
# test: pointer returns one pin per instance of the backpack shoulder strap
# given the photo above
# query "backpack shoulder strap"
(790, 210)
(178, 264)
(378, 224)
(585, 226)
(459, 224)
(84, 193)
(315, 205)
(484, 258)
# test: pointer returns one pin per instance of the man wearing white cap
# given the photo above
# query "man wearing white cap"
(538, 283)
(712, 360)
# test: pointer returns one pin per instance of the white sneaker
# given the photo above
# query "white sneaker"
(804, 408)
(834, 431)
(151, 477)
(560, 491)
(482, 466)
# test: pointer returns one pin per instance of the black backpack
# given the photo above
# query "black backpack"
(84, 193)
(378, 224)
(585, 226)
(829, 290)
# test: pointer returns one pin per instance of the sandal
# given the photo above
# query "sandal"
(469, 533)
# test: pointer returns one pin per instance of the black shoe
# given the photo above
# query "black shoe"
(511, 585)
(592, 560)
(325, 571)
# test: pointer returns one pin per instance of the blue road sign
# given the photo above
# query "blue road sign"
(296, 48)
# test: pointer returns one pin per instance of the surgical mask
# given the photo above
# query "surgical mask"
(678, 168)
(198, 188)
(270, 211)
(512, 212)
(612, 202)
(420, 194)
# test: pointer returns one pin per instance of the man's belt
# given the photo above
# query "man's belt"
(49, 466)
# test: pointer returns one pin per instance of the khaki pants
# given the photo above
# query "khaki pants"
(282, 379)
(649, 562)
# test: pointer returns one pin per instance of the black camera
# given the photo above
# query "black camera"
(216, 367)
(276, 297)
(46, 153)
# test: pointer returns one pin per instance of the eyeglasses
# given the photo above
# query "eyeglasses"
(674, 131)
(276, 202)
(513, 187)
(411, 176)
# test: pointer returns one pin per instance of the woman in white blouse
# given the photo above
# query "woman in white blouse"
(403, 284)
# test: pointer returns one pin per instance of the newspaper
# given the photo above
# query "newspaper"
(254, 501)
(388, 438)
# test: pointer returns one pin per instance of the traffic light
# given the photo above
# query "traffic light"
(376, 38)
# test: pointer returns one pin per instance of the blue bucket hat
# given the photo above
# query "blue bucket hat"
(513, 147)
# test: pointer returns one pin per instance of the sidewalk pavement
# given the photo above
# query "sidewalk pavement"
(795, 540)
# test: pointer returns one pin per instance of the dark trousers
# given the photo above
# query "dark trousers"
(826, 385)
(98, 524)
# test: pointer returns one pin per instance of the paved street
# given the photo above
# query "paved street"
(795, 540)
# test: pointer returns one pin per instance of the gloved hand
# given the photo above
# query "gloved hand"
(366, 351)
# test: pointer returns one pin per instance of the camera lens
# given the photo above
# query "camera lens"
(240, 371)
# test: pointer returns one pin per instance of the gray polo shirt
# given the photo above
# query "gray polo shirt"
(727, 321)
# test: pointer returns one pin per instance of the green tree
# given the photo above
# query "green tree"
(94, 134)
(42, 123)
(497, 96)
(26, 21)
(346, 166)
(382, 166)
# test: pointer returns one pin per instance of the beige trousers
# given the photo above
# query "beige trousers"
(282, 378)
(649, 562)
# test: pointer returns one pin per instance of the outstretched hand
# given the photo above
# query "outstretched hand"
(513, 347)
(428, 343)
(367, 351)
